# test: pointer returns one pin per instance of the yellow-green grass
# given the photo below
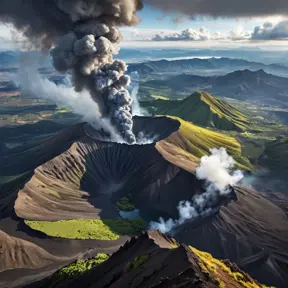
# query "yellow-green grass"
(75, 269)
(160, 97)
(217, 268)
(205, 110)
(124, 204)
(63, 110)
(201, 140)
(104, 229)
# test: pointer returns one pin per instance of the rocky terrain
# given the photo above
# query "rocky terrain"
(153, 260)
(79, 173)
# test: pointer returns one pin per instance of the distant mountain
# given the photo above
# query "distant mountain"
(9, 58)
(202, 109)
(238, 84)
(203, 67)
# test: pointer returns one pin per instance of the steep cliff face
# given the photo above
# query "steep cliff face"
(153, 260)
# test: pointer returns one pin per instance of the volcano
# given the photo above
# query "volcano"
(79, 174)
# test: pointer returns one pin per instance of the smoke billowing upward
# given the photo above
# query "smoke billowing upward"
(84, 36)
(216, 170)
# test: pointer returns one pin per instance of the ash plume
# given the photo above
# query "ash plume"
(216, 170)
(80, 103)
(222, 8)
(83, 35)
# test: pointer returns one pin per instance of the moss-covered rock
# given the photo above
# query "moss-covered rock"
(74, 269)
(124, 204)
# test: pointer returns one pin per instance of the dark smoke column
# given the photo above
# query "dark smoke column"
(84, 34)
(88, 52)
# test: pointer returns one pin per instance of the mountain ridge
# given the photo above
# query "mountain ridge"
(149, 261)
(201, 108)
(240, 84)
(214, 64)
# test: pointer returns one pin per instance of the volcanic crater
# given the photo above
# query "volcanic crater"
(79, 173)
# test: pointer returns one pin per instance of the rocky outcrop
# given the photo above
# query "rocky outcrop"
(153, 260)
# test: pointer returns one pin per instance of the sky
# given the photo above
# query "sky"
(169, 30)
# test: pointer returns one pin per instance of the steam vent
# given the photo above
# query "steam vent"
(77, 177)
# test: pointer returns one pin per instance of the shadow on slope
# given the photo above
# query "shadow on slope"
(202, 109)
(153, 260)
(251, 232)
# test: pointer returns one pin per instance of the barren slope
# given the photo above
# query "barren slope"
(152, 260)
(251, 231)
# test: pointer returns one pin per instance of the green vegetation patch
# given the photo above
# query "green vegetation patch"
(137, 262)
(217, 267)
(75, 269)
(104, 229)
(124, 204)
(202, 109)
(198, 141)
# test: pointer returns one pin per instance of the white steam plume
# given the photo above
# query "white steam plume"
(84, 37)
(80, 103)
(137, 110)
(216, 170)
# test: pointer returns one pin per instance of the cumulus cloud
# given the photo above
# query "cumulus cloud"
(271, 31)
(202, 34)
(238, 34)
(223, 8)
(189, 34)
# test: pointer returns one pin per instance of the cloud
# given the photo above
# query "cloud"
(271, 31)
(238, 34)
(189, 34)
(223, 8)
(202, 34)
(267, 31)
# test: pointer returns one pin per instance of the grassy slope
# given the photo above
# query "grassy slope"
(105, 229)
(200, 140)
(276, 156)
(202, 109)
(225, 276)
(74, 269)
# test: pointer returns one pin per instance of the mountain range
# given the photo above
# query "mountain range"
(242, 85)
(203, 67)
(216, 66)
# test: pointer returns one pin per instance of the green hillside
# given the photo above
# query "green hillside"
(201, 140)
(275, 156)
(202, 109)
